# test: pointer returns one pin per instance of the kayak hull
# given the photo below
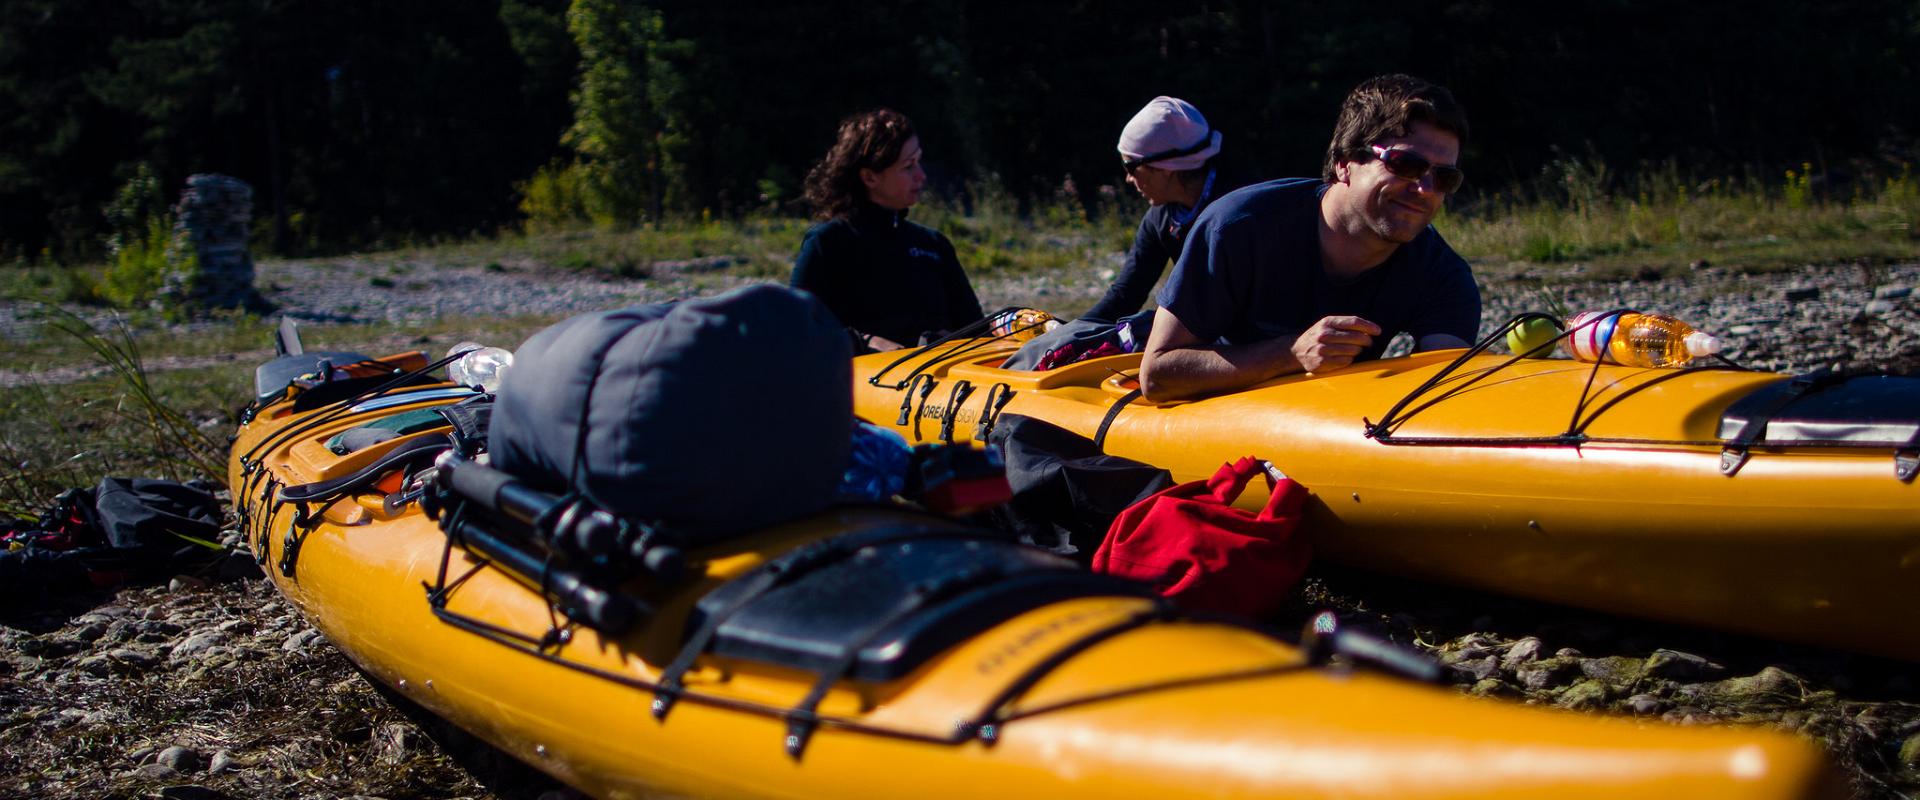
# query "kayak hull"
(1812, 545)
(1169, 708)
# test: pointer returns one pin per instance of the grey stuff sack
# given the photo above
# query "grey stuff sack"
(712, 416)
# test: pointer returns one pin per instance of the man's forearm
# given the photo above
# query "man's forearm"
(1185, 372)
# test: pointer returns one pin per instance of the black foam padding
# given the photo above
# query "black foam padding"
(333, 392)
(1866, 409)
(811, 622)
(275, 375)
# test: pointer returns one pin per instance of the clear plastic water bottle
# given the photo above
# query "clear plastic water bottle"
(481, 366)
(1636, 339)
(1021, 324)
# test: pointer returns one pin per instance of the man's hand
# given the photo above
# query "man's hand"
(1333, 342)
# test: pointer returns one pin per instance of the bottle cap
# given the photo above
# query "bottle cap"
(1701, 344)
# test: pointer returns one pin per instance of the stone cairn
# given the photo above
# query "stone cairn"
(213, 217)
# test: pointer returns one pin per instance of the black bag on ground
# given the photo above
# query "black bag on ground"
(1065, 491)
(711, 416)
(141, 511)
(126, 528)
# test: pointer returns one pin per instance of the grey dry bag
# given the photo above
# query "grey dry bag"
(712, 416)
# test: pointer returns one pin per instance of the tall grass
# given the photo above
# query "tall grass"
(59, 437)
(756, 246)
(993, 237)
(1581, 216)
(1583, 213)
(991, 233)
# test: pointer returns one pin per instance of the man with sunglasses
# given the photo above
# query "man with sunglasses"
(1304, 275)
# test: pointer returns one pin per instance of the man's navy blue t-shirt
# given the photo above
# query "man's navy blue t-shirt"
(1251, 271)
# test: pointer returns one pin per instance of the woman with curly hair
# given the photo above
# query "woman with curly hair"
(893, 283)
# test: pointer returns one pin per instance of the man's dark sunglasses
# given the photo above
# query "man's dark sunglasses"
(1413, 166)
(1205, 142)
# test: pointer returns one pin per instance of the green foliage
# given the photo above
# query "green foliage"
(997, 240)
(142, 248)
(363, 123)
(558, 197)
(56, 283)
(1065, 209)
(1543, 248)
(365, 119)
(1901, 195)
(619, 127)
(1659, 220)
(143, 266)
(134, 207)
(1797, 188)
(1582, 184)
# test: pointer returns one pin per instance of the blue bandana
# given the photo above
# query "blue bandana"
(1180, 220)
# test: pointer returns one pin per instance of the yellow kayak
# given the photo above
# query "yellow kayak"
(873, 652)
(1613, 488)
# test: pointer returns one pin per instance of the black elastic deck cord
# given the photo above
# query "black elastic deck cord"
(251, 469)
(803, 717)
(1574, 435)
(421, 450)
(339, 408)
(766, 578)
(965, 340)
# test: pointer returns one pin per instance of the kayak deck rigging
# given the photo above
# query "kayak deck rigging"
(1575, 434)
(869, 606)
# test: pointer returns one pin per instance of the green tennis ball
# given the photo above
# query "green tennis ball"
(1535, 332)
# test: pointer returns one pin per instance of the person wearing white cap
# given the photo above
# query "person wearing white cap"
(1169, 152)
(1311, 275)
(1171, 156)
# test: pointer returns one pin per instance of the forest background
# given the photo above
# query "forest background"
(367, 123)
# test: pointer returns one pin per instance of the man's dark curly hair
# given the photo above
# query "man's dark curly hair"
(869, 140)
(1385, 107)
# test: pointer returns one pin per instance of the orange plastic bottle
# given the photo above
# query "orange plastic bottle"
(1636, 339)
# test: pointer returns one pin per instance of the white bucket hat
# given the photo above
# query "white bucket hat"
(1169, 133)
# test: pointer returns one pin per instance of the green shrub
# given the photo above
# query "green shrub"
(1798, 187)
(135, 204)
(558, 196)
(1901, 193)
(141, 266)
(143, 251)
(76, 285)
(1543, 248)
